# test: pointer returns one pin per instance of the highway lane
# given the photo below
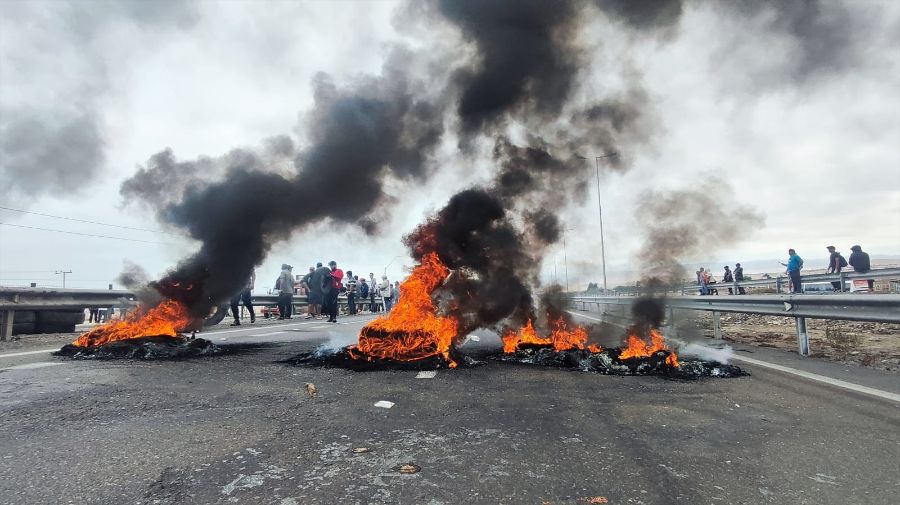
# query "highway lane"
(241, 428)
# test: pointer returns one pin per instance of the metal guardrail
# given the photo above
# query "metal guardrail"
(861, 307)
(782, 281)
(28, 299)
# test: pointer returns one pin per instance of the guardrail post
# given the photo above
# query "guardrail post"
(778, 284)
(843, 281)
(717, 325)
(802, 336)
(6, 324)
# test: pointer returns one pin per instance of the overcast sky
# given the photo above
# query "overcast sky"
(100, 87)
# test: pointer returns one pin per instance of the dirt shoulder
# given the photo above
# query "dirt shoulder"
(873, 345)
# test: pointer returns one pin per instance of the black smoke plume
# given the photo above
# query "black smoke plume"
(382, 127)
(526, 59)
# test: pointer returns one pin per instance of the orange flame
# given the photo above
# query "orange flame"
(561, 338)
(412, 330)
(167, 318)
(635, 347)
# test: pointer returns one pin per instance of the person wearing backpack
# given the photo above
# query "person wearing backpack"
(836, 263)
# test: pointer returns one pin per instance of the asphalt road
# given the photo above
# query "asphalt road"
(241, 428)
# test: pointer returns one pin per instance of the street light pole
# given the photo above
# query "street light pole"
(566, 260)
(600, 213)
(63, 272)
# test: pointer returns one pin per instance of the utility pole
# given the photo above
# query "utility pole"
(600, 213)
(63, 272)
(566, 257)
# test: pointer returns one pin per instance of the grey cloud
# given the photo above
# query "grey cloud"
(47, 153)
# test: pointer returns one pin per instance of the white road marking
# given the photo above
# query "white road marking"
(29, 366)
(821, 378)
(426, 374)
(269, 334)
(26, 353)
(800, 373)
(204, 333)
(320, 326)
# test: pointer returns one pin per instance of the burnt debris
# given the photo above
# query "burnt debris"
(605, 362)
(161, 347)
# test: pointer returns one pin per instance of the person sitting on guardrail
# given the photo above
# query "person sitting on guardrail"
(728, 277)
(836, 263)
(860, 262)
(739, 277)
(794, 265)
(364, 290)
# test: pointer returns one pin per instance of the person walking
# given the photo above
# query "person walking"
(364, 291)
(373, 292)
(285, 286)
(836, 263)
(728, 277)
(739, 277)
(386, 295)
(794, 265)
(245, 295)
(395, 293)
(318, 282)
(351, 293)
(860, 262)
(333, 286)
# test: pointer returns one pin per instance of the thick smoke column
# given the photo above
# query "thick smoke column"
(683, 223)
(381, 127)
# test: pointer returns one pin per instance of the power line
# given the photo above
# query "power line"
(85, 234)
(86, 221)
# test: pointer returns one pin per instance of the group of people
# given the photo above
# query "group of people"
(322, 285)
(705, 280)
(859, 261)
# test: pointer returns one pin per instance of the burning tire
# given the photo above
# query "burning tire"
(217, 316)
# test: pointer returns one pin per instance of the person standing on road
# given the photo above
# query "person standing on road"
(794, 265)
(728, 277)
(306, 285)
(860, 262)
(386, 295)
(395, 293)
(244, 295)
(701, 281)
(739, 277)
(285, 288)
(836, 263)
(373, 292)
(364, 291)
(320, 278)
(351, 293)
(333, 286)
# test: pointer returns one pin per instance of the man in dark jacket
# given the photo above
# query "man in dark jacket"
(318, 280)
(859, 260)
(739, 277)
(727, 277)
(836, 262)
